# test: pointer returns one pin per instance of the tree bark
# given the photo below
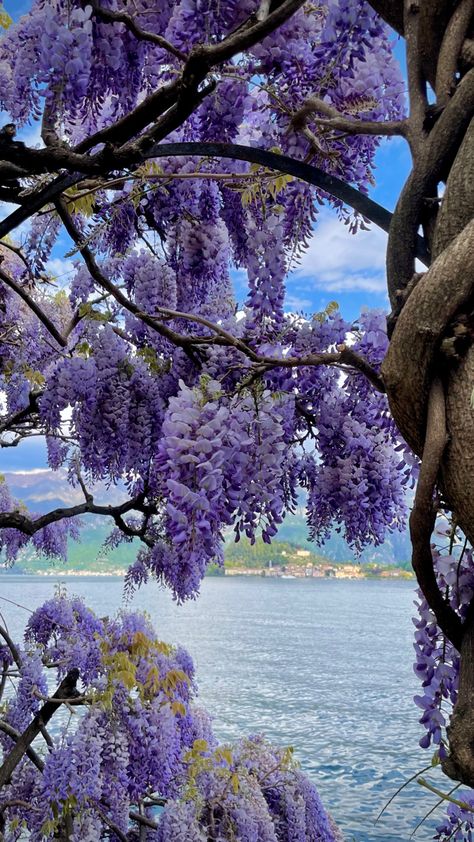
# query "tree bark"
(66, 690)
(432, 341)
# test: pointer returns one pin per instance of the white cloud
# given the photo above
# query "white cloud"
(32, 136)
(337, 261)
(61, 270)
(28, 472)
(296, 303)
(355, 283)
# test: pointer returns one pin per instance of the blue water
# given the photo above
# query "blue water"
(322, 665)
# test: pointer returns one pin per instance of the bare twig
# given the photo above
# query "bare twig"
(136, 817)
(34, 307)
(135, 29)
(335, 120)
(12, 646)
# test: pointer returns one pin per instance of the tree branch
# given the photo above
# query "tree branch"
(451, 48)
(15, 735)
(391, 11)
(143, 820)
(198, 64)
(67, 689)
(416, 79)
(440, 149)
(335, 120)
(443, 291)
(106, 284)
(22, 414)
(29, 526)
(423, 517)
(34, 307)
(331, 184)
(132, 26)
(13, 649)
(222, 337)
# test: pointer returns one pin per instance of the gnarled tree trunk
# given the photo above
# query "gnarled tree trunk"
(433, 314)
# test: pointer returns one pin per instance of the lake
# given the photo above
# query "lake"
(322, 665)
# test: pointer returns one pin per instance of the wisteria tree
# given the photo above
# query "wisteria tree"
(180, 140)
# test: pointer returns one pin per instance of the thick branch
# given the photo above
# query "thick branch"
(22, 414)
(145, 113)
(391, 11)
(440, 293)
(15, 736)
(243, 38)
(457, 205)
(439, 151)
(67, 689)
(451, 49)
(423, 516)
(416, 79)
(180, 97)
(459, 765)
(280, 163)
(200, 61)
(29, 526)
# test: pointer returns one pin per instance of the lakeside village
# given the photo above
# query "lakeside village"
(300, 567)
(279, 560)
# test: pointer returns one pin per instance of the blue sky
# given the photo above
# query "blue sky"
(15, 8)
(337, 266)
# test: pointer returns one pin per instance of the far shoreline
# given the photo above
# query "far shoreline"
(231, 573)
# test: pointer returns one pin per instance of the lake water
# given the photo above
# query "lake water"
(322, 665)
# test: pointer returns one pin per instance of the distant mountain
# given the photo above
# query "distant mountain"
(395, 549)
(42, 490)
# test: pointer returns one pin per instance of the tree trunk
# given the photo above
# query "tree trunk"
(434, 327)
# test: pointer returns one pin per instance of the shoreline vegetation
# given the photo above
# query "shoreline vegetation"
(274, 561)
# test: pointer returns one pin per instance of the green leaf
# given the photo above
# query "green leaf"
(34, 377)
(84, 349)
(5, 19)
(82, 204)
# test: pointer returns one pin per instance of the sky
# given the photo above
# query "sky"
(337, 266)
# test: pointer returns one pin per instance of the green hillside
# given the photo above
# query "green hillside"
(90, 555)
(276, 554)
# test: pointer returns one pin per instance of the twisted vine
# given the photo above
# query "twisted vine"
(429, 392)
